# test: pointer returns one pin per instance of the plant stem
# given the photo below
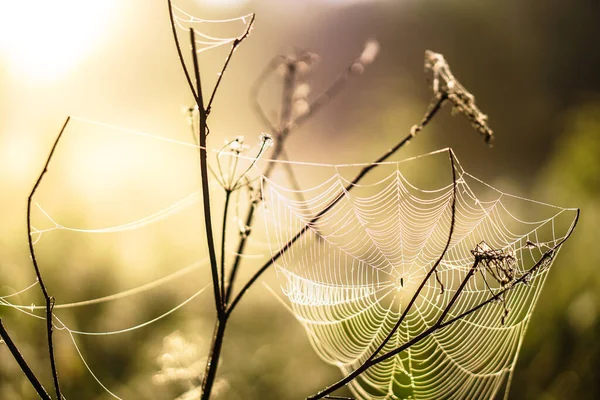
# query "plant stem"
(204, 177)
(179, 53)
(49, 300)
(23, 364)
(212, 363)
(234, 46)
(223, 239)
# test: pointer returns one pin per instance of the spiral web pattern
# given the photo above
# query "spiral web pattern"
(352, 274)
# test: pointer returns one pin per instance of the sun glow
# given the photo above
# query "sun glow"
(44, 40)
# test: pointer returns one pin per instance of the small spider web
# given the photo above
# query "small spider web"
(210, 34)
(353, 273)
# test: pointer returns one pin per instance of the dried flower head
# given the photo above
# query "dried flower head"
(497, 262)
(266, 140)
(445, 85)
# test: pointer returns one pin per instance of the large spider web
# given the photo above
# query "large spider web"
(351, 275)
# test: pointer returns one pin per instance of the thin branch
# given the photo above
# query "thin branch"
(223, 239)
(179, 53)
(234, 46)
(367, 363)
(432, 109)
(23, 364)
(49, 300)
(459, 290)
(204, 177)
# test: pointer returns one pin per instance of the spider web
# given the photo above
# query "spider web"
(210, 33)
(352, 274)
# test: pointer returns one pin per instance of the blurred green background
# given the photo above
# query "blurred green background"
(532, 65)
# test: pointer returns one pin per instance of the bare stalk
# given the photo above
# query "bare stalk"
(223, 239)
(234, 46)
(204, 177)
(23, 364)
(179, 53)
(49, 299)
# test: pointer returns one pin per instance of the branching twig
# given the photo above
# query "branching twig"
(234, 46)
(23, 364)
(49, 299)
(179, 53)
(223, 243)
(204, 176)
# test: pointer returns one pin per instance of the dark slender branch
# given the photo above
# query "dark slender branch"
(234, 46)
(212, 364)
(204, 177)
(430, 112)
(23, 364)
(367, 363)
(49, 300)
(434, 106)
(179, 53)
(238, 255)
(223, 239)
(459, 290)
